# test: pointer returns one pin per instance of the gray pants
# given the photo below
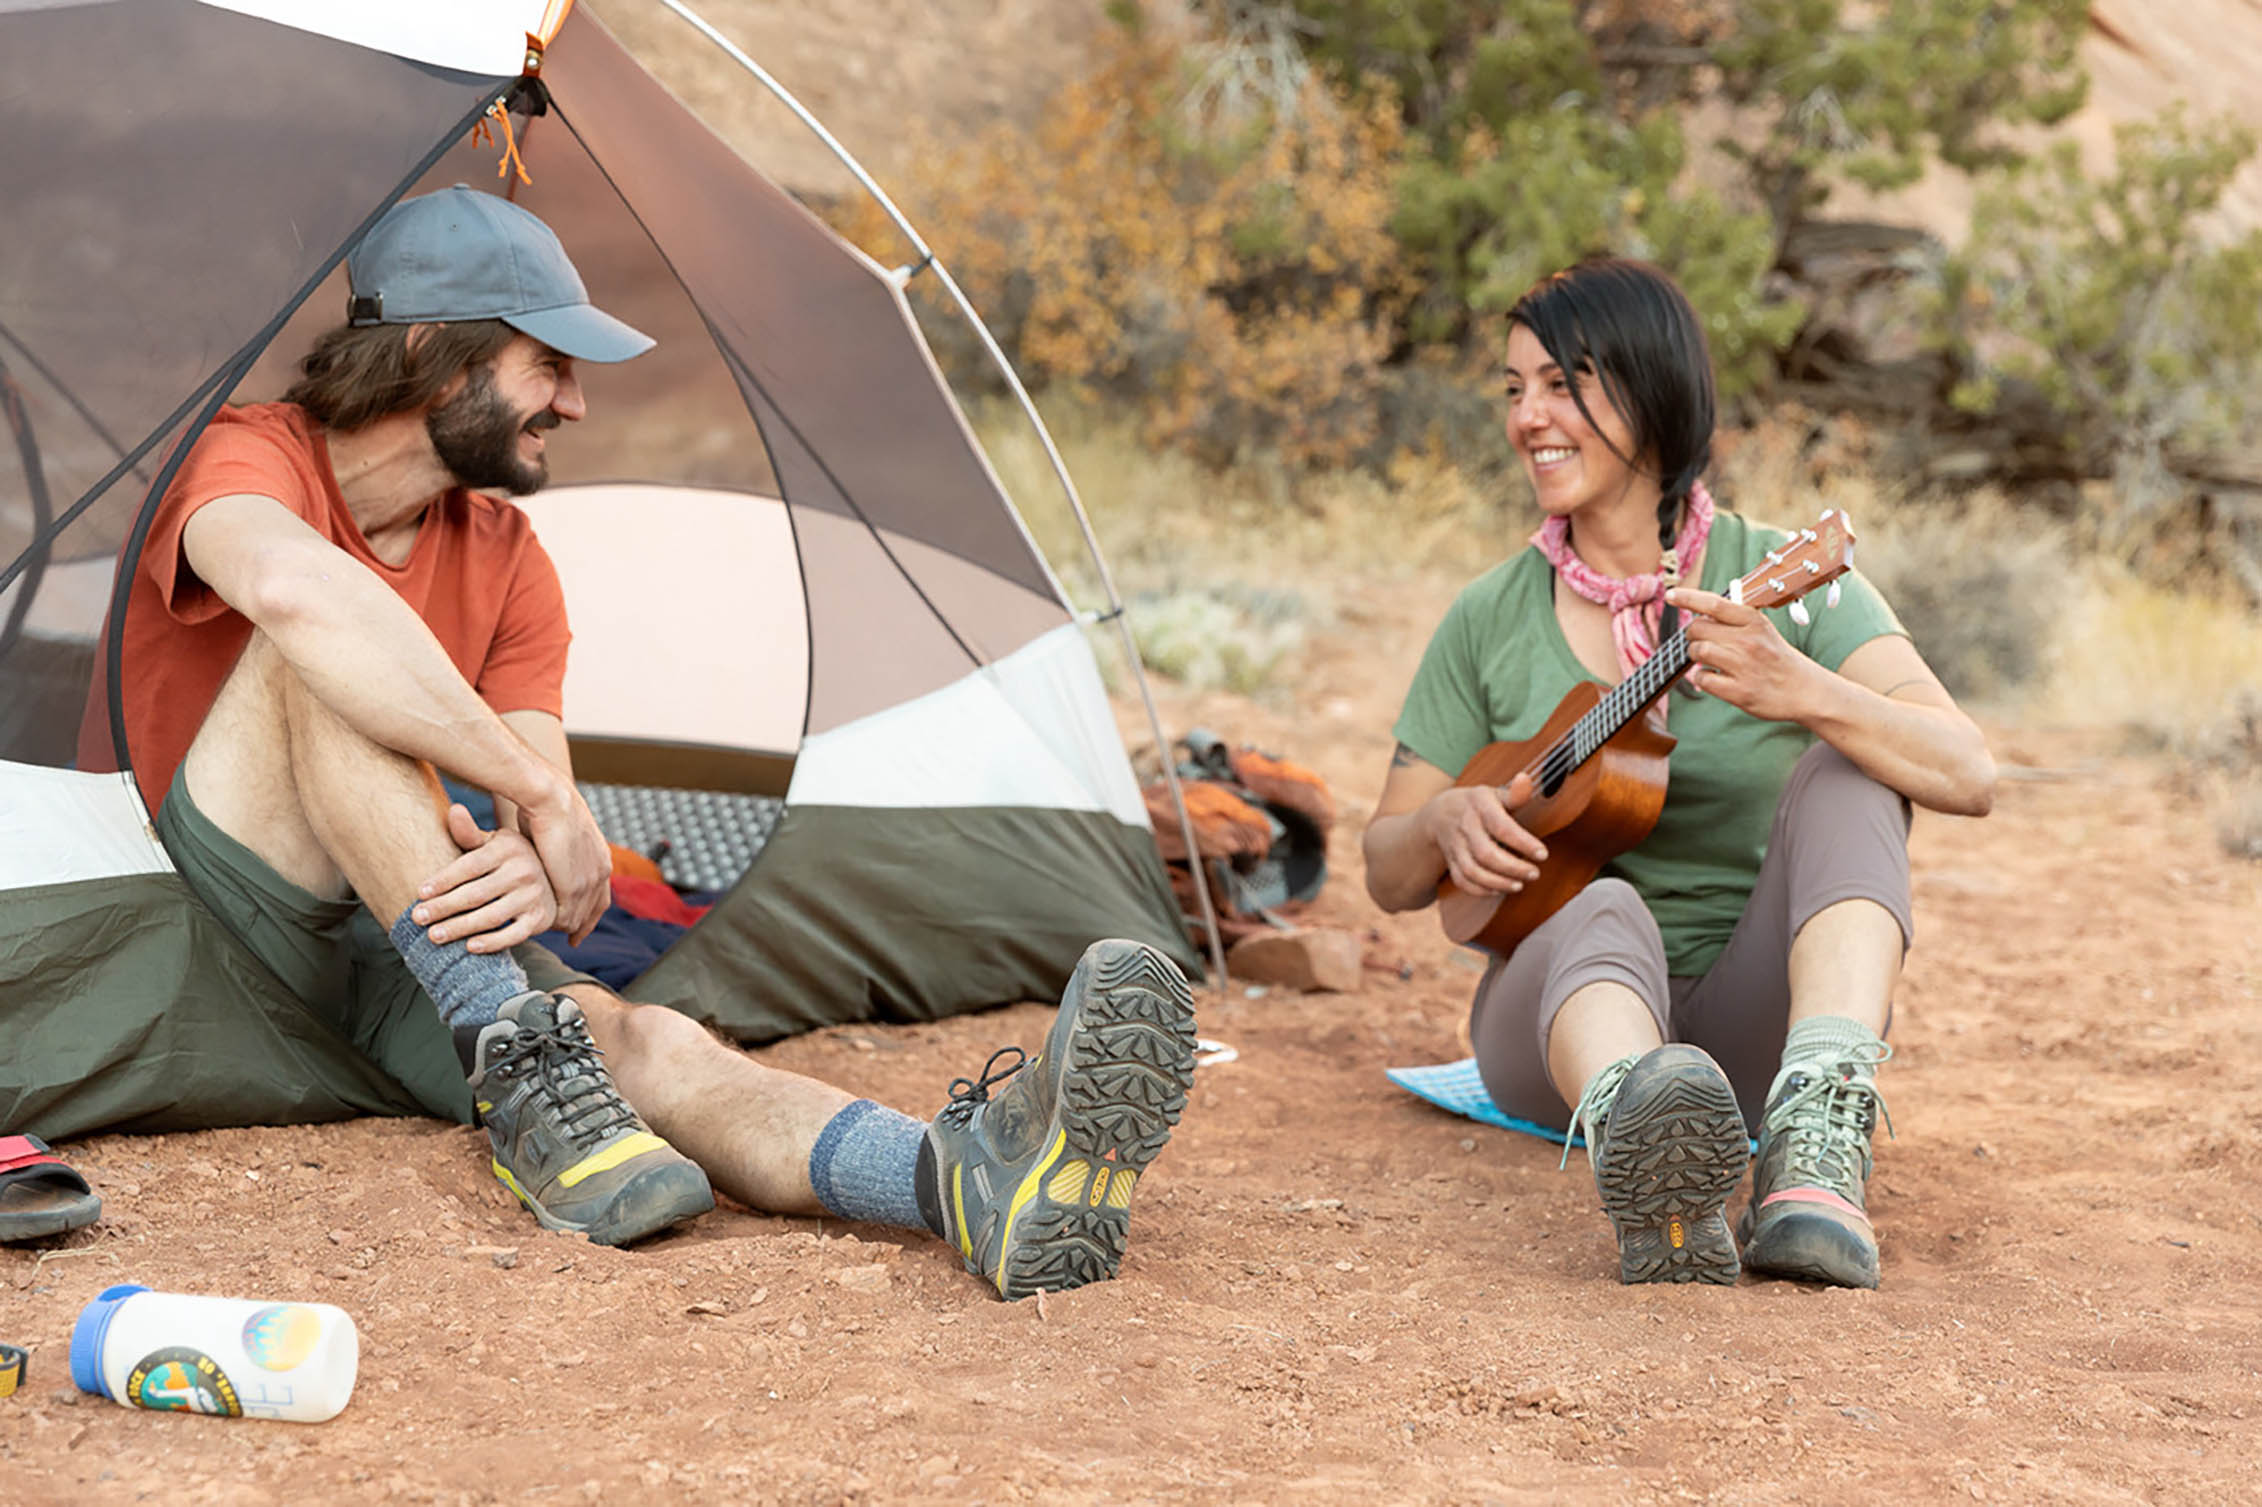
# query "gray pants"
(1838, 835)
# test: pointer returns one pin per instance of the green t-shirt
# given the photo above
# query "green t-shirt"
(1498, 666)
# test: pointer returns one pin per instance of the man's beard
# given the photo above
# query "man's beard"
(476, 432)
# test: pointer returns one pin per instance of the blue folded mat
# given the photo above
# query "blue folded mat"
(1457, 1086)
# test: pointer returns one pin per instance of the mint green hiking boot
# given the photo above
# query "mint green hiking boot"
(564, 1140)
(1809, 1210)
(1035, 1181)
(1667, 1145)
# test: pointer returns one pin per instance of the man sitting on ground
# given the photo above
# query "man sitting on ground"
(326, 576)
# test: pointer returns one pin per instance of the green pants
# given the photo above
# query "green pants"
(333, 958)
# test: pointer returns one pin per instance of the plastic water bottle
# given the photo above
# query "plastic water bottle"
(228, 1357)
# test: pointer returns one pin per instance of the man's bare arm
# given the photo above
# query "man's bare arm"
(495, 895)
(366, 655)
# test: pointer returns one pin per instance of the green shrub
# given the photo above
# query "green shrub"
(1980, 584)
(1230, 637)
(2108, 295)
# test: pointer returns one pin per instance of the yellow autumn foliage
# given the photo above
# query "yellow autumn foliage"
(1232, 282)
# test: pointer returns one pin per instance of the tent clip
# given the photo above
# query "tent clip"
(902, 276)
(1095, 617)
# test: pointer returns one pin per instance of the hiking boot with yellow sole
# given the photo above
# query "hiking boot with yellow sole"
(1668, 1147)
(564, 1140)
(1809, 1210)
(1035, 1180)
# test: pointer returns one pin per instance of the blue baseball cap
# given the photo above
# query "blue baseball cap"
(461, 254)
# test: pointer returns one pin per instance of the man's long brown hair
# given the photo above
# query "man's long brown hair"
(358, 374)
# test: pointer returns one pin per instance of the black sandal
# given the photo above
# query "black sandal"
(40, 1194)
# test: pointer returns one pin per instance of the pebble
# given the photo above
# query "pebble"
(864, 1277)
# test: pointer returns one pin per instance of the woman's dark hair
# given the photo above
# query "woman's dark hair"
(1627, 323)
(358, 374)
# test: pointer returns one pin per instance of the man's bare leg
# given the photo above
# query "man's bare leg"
(1029, 1174)
(751, 1127)
(334, 812)
(322, 805)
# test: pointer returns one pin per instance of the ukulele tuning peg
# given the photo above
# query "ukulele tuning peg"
(1799, 613)
(1830, 597)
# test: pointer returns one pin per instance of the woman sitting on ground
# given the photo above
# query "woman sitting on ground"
(1736, 967)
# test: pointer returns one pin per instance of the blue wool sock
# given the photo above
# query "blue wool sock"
(469, 987)
(865, 1165)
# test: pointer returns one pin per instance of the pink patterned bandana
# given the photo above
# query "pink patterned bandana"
(1636, 603)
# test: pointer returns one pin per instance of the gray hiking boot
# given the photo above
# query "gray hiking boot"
(1668, 1146)
(1809, 1210)
(564, 1140)
(1035, 1180)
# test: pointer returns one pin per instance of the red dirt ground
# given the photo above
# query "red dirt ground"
(1334, 1292)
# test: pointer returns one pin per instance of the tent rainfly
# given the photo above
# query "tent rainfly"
(792, 573)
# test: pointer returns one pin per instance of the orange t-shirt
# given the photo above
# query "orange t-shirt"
(476, 575)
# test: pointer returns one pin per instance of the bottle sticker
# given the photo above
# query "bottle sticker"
(182, 1381)
(282, 1336)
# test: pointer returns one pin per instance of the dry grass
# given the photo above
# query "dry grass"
(2178, 673)
(1227, 573)
(2174, 674)
(1166, 519)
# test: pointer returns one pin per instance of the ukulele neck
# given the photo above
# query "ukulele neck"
(1626, 701)
(1630, 697)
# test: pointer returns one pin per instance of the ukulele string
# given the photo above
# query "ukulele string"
(1624, 700)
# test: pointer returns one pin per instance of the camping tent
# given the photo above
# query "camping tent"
(791, 570)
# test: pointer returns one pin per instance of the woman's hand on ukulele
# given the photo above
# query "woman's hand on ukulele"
(1737, 655)
(1486, 852)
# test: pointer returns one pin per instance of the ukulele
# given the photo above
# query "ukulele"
(1598, 766)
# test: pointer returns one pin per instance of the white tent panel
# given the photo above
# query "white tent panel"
(470, 36)
(59, 826)
(688, 619)
(1031, 730)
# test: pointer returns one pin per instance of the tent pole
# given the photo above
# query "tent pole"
(1052, 452)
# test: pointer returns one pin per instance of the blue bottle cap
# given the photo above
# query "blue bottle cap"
(88, 1333)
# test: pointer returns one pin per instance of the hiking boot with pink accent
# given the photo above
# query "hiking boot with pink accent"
(1809, 1214)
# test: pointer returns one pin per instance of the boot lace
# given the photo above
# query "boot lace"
(1825, 1121)
(966, 1095)
(560, 1064)
(1594, 1107)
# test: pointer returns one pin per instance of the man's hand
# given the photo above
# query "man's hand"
(1739, 657)
(1486, 851)
(574, 855)
(492, 898)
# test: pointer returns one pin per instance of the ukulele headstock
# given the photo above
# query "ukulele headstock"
(1814, 556)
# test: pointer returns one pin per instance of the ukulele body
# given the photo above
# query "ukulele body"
(1604, 807)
